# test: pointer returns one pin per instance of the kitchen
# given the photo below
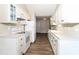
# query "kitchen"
(19, 25)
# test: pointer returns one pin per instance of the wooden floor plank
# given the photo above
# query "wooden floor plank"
(41, 46)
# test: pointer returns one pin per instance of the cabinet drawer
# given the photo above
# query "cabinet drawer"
(21, 38)
(23, 48)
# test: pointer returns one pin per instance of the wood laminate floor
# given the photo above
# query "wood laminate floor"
(41, 46)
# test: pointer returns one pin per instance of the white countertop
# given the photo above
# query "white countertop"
(14, 35)
(67, 35)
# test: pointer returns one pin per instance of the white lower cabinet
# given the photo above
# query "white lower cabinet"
(63, 44)
(68, 47)
(23, 45)
(53, 41)
(14, 44)
(8, 45)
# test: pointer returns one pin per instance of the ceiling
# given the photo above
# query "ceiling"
(43, 9)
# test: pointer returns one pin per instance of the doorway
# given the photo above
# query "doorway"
(42, 24)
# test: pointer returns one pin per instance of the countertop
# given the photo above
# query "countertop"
(67, 35)
(14, 35)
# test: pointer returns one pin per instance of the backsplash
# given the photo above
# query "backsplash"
(69, 24)
(73, 27)
(68, 27)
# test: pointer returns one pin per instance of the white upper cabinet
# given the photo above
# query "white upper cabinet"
(22, 11)
(70, 13)
(10, 12)
(56, 18)
(7, 12)
(66, 14)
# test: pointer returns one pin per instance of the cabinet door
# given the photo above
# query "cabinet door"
(22, 11)
(23, 45)
(7, 12)
(4, 12)
(70, 13)
(12, 12)
(8, 46)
